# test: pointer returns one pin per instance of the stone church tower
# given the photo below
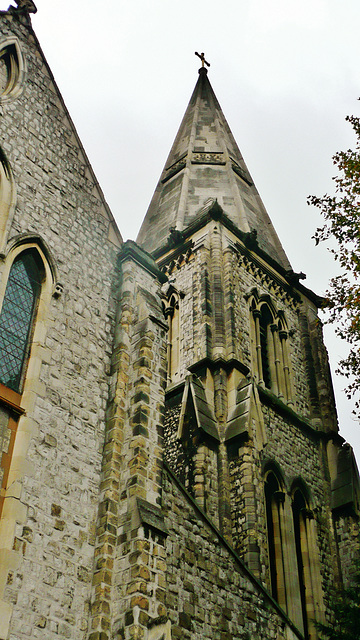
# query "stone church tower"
(170, 460)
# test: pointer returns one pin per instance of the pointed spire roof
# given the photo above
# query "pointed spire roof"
(205, 164)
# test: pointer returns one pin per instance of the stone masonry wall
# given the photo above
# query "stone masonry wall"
(193, 462)
(246, 277)
(298, 453)
(48, 524)
(209, 595)
(247, 510)
(348, 540)
(300, 459)
(128, 578)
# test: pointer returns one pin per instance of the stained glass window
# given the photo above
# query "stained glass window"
(17, 314)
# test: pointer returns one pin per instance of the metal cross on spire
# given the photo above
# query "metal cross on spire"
(202, 58)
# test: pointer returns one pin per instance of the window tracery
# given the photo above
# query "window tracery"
(295, 580)
(270, 347)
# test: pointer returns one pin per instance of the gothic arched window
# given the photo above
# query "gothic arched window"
(17, 316)
(274, 499)
(265, 321)
(171, 312)
(300, 512)
(311, 603)
(270, 352)
(12, 69)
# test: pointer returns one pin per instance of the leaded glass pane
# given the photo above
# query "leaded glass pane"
(16, 317)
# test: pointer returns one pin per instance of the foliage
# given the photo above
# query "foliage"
(342, 223)
(345, 612)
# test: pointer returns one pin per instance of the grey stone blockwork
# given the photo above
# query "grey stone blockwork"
(131, 509)
(58, 206)
(293, 438)
(209, 592)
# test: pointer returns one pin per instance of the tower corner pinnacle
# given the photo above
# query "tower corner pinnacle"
(27, 6)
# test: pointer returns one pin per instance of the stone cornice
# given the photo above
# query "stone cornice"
(131, 251)
(252, 252)
(219, 363)
(271, 400)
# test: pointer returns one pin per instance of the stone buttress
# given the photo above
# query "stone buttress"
(130, 562)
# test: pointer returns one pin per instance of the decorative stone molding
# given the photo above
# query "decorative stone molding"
(176, 263)
(267, 280)
(7, 198)
(175, 168)
(58, 290)
(208, 157)
(175, 237)
(240, 172)
(151, 517)
(159, 629)
(12, 70)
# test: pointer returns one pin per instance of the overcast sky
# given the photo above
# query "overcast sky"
(286, 74)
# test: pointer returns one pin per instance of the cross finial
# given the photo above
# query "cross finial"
(202, 58)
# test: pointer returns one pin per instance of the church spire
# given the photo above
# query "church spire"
(205, 165)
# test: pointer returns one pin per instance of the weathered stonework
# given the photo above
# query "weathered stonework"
(170, 460)
(208, 587)
(51, 495)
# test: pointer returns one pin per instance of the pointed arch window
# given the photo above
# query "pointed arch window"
(311, 601)
(295, 577)
(274, 500)
(171, 312)
(300, 515)
(12, 69)
(265, 321)
(17, 316)
(270, 339)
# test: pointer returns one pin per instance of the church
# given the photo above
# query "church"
(171, 466)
